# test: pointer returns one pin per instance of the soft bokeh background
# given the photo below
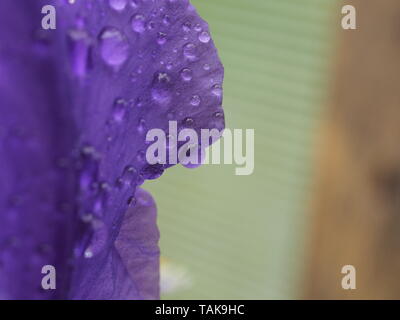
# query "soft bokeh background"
(244, 237)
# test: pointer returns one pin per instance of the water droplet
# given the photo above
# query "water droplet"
(119, 109)
(195, 100)
(79, 50)
(98, 239)
(151, 25)
(128, 177)
(189, 51)
(151, 172)
(197, 28)
(139, 102)
(139, 69)
(105, 187)
(161, 38)
(88, 151)
(167, 20)
(161, 91)
(114, 48)
(89, 169)
(118, 5)
(134, 3)
(188, 122)
(204, 37)
(100, 200)
(87, 217)
(219, 120)
(206, 67)
(138, 23)
(186, 27)
(131, 201)
(154, 13)
(218, 114)
(186, 74)
(141, 126)
(216, 90)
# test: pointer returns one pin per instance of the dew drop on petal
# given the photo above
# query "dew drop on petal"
(119, 109)
(138, 23)
(141, 127)
(189, 51)
(197, 28)
(118, 5)
(134, 3)
(161, 90)
(100, 201)
(98, 239)
(218, 114)
(216, 90)
(204, 37)
(186, 27)
(167, 20)
(161, 38)
(138, 103)
(186, 74)
(188, 122)
(79, 50)
(219, 120)
(131, 201)
(151, 172)
(114, 48)
(89, 167)
(151, 25)
(195, 100)
(128, 177)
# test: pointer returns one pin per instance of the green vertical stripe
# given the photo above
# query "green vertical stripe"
(243, 237)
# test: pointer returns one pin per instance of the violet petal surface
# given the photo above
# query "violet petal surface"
(76, 105)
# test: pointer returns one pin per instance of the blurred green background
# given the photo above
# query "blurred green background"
(244, 237)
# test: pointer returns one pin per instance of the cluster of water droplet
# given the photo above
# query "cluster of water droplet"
(114, 47)
(94, 195)
(93, 201)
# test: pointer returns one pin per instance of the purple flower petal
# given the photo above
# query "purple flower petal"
(131, 270)
(137, 244)
(36, 131)
(77, 103)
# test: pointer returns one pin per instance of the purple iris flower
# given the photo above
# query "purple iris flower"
(75, 105)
